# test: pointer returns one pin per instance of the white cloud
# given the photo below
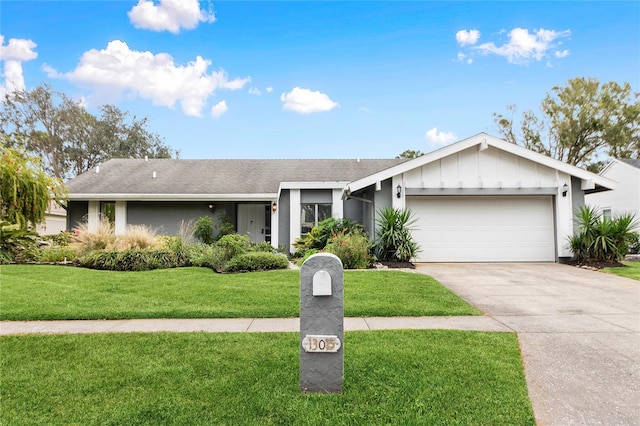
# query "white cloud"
(156, 77)
(255, 91)
(169, 15)
(524, 47)
(218, 109)
(16, 52)
(463, 58)
(440, 138)
(269, 89)
(464, 37)
(306, 101)
(561, 54)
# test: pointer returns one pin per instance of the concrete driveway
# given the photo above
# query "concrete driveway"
(579, 334)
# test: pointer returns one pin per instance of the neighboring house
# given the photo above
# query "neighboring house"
(480, 199)
(55, 220)
(626, 197)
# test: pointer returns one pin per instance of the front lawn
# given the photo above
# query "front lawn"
(29, 292)
(428, 377)
(630, 270)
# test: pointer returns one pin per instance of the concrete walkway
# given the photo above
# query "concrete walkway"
(579, 334)
(478, 323)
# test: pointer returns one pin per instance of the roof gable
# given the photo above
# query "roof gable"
(483, 141)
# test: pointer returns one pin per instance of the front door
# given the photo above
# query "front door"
(251, 221)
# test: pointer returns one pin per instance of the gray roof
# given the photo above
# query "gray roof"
(632, 162)
(130, 176)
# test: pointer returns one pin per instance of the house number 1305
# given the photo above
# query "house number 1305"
(321, 343)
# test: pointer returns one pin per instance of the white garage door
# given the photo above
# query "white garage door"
(483, 229)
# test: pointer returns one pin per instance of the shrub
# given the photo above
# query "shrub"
(394, 239)
(203, 229)
(61, 239)
(602, 239)
(137, 237)
(133, 260)
(319, 235)
(15, 243)
(206, 256)
(225, 227)
(257, 261)
(85, 241)
(352, 249)
(264, 246)
(307, 254)
(233, 245)
(57, 254)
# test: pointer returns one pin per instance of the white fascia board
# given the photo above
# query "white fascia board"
(175, 197)
(312, 185)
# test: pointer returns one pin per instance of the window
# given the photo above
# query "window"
(606, 213)
(312, 214)
(108, 211)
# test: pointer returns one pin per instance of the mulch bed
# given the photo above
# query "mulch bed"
(596, 264)
(397, 264)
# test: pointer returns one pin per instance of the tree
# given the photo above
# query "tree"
(70, 140)
(25, 189)
(581, 124)
(409, 153)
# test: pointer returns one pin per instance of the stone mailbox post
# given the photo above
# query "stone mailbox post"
(321, 324)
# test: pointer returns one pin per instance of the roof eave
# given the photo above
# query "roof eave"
(173, 197)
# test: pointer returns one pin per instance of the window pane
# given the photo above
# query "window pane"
(308, 213)
(307, 217)
(324, 212)
(108, 211)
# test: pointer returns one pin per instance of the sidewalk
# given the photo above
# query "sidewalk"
(473, 323)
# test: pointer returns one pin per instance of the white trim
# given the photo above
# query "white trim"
(93, 215)
(313, 185)
(274, 223)
(294, 217)
(337, 208)
(120, 227)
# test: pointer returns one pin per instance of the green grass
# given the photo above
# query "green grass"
(425, 377)
(29, 292)
(630, 270)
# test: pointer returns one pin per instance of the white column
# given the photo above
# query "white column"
(274, 225)
(564, 216)
(93, 216)
(294, 217)
(121, 218)
(337, 207)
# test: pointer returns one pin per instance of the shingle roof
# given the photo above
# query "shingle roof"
(130, 176)
(632, 162)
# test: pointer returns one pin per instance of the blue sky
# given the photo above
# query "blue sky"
(236, 79)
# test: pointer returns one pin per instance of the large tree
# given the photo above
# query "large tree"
(70, 140)
(581, 123)
(25, 189)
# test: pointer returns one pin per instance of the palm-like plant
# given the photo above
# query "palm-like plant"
(394, 239)
(600, 238)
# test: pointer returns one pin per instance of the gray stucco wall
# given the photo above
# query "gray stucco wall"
(77, 212)
(284, 204)
(166, 216)
(315, 196)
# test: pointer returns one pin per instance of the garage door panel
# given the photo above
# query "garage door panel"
(475, 229)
